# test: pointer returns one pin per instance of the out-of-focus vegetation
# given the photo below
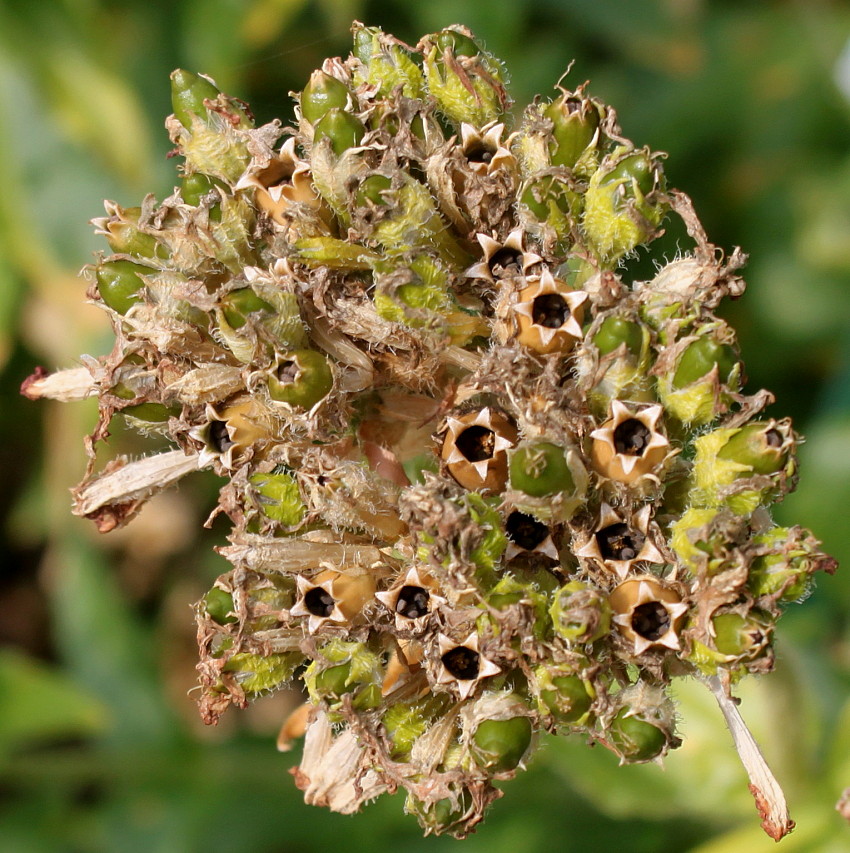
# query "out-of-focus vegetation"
(100, 749)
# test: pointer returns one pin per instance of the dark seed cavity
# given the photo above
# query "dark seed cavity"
(525, 531)
(505, 262)
(550, 310)
(219, 437)
(619, 542)
(288, 372)
(461, 662)
(478, 152)
(651, 620)
(412, 602)
(631, 437)
(319, 602)
(476, 443)
(773, 438)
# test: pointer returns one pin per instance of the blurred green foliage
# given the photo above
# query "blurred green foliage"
(99, 747)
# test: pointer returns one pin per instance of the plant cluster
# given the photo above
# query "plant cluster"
(482, 484)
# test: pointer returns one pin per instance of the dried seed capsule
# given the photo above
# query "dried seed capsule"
(619, 542)
(629, 445)
(119, 284)
(301, 379)
(549, 314)
(648, 613)
(461, 665)
(474, 449)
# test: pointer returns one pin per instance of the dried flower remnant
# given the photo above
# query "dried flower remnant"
(481, 483)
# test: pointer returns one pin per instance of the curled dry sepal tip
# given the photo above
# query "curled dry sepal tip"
(483, 484)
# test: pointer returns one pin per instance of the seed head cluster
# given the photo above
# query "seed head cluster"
(482, 484)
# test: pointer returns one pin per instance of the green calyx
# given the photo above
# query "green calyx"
(539, 468)
(635, 739)
(701, 357)
(259, 674)
(219, 606)
(342, 129)
(321, 94)
(386, 63)
(616, 331)
(575, 121)
(301, 379)
(501, 745)
(119, 284)
(580, 613)
(343, 667)
(784, 572)
(152, 413)
(278, 498)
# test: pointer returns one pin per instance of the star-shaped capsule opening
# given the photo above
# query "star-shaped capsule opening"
(484, 150)
(474, 449)
(285, 181)
(528, 535)
(225, 435)
(629, 445)
(648, 613)
(412, 600)
(462, 665)
(503, 259)
(619, 543)
(331, 598)
(549, 314)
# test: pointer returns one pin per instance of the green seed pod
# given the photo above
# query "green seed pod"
(125, 236)
(624, 205)
(323, 93)
(616, 331)
(446, 815)
(260, 674)
(150, 413)
(277, 497)
(219, 605)
(580, 613)
(208, 126)
(636, 740)
(188, 93)
(727, 459)
(467, 86)
(197, 185)
(301, 379)
(783, 571)
(741, 637)
(238, 304)
(698, 386)
(386, 63)
(575, 124)
(564, 694)
(500, 745)
(342, 129)
(342, 667)
(119, 284)
(699, 546)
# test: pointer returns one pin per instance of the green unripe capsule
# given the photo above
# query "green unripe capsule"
(741, 637)
(758, 445)
(334, 681)
(566, 697)
(635, 167)
(119, 285)
(321, 94)
(372, 190)
(154, 413)
(125, 237)
(614, 332)
(700, 358)
(540, 468)
(188, 93)
(279, 498)
(238, 304)
(458, 43)
(219, 606)
(574, 124)
(343, 129)
(500, 745)
(636, 739)
(195, 186)
(301, 379)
